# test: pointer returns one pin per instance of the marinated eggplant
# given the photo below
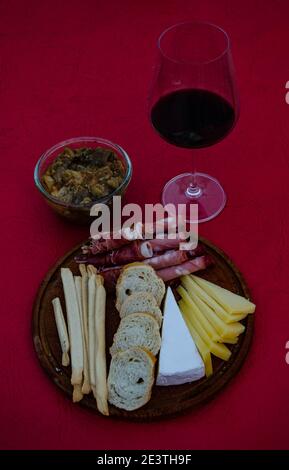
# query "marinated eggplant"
(84, 175)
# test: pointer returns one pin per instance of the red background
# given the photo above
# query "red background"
(71, 68)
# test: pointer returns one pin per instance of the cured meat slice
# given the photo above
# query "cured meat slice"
(168, 258)
(103, 245)
(136, 251)
(110, 276)
(188, 267)
(172, 258)
(164, 244)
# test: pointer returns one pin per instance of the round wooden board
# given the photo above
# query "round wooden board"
(165, 401)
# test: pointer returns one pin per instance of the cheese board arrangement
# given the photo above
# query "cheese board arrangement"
(140, 330)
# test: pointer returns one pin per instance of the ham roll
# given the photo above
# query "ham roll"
(188, 267)
(113, 240)
(172, 258)
(104, 245)
(169, 258)
(135, 251)
(164, 244)
(111, 275)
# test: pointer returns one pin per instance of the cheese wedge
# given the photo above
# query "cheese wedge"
(233, 303)
(202, 318)
(229, 340)
(226, 331)
(202, 347)
(195, 290)
(179, 360)
(219, 350)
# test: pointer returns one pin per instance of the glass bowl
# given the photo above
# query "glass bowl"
(75, 212)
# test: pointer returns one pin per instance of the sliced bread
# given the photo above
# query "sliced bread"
(141, 302)
(137, 329)
(130, 379)
(138, 277)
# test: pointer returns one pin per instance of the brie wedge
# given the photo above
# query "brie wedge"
(179, 360)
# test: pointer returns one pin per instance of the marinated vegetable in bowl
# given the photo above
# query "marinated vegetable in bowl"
(83, 175)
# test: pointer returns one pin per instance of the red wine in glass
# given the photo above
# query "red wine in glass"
(194, 104)
(192, 118)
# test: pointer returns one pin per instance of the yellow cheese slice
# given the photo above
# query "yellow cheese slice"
(194, 289)
(202, 318)
(226, 331)
(231, 302)
(218, 349)
(229, 340)
(203, 349)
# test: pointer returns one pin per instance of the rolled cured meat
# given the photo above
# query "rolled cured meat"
(135, 251)
(163, 244)
(188, 267)
(173, 257)
(108, 241)
(110, 276)
(103, 245)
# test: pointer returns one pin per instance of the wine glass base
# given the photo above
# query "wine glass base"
(211, 197)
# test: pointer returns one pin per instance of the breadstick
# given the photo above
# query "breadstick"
(91, 270)
(100, 356)
(74, 328)
(62, 330)
(85, 386)
(91, 327)
(84, 298)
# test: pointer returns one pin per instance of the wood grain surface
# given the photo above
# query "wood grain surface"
(166, 401)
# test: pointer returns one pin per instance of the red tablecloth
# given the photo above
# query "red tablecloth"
(71, 68)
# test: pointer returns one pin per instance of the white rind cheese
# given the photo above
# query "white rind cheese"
(179, 361)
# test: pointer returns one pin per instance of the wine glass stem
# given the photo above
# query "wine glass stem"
(193, 190)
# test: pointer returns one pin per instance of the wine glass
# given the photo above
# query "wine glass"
(194, 103)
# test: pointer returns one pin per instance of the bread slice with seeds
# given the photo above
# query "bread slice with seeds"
(137, 329)
(141, 302)
(138, 277)
(130, 379)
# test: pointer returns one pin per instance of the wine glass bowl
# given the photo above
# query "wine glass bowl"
(194, 104)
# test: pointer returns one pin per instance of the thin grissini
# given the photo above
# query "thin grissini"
(91, 270)
(74, 329)
(101, 392)
(86, 384)
(91, 330)
(84, 298)
(62, 330)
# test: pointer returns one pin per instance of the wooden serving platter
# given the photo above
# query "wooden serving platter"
(165, 401)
